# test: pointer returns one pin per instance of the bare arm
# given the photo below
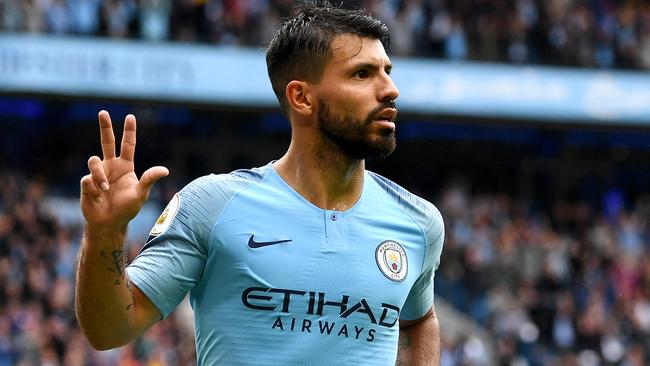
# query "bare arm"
(419, 341)
(110, 311)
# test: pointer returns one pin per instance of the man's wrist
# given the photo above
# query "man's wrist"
(106, 234)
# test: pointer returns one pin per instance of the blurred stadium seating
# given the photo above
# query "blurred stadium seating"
(543, 185)
(602, 33)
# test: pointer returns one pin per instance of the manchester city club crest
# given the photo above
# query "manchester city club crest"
(391, 260)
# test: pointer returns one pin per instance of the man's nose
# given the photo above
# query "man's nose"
(389, 89)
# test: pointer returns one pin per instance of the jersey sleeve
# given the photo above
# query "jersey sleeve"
(172, 260)
(420, 298)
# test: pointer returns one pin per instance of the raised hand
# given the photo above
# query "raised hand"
(111, 195)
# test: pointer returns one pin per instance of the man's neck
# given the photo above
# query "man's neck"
(326, 177)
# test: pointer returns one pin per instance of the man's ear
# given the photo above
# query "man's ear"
(299, 97)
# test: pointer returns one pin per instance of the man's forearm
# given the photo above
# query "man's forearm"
(419, 344)
(104, 296)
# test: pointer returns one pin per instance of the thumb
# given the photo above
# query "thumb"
(151, 176)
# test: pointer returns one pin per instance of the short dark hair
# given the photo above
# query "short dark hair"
(301, 47)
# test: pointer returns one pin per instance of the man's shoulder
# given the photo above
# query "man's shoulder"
(400, 194)
(210, 194)
(421, 210)
(225, 183)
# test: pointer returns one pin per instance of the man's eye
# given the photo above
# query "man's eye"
(362, 74)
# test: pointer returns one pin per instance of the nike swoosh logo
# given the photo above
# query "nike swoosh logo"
(259, 244)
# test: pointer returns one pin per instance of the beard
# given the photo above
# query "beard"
(355, 137)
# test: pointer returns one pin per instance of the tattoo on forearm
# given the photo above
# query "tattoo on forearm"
(403, 343)
(128, 286)
(116, 259)
(117, 263)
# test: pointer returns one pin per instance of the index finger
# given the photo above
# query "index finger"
(106, 135)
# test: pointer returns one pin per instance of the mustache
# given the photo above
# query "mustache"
(385, 105)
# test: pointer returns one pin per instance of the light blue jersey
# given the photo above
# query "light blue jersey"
(275, 280)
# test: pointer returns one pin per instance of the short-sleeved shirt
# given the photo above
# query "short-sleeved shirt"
(276, 280)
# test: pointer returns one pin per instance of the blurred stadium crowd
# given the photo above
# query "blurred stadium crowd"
(566, 287)
(38, 249)
(594, 33)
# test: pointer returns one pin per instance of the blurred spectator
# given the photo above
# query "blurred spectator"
(406, 23)
(58, 17)
(85, 16)
(12, 16)
(118, 16)
(154, 18)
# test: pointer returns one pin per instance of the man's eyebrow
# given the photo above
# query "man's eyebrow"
(371, 66)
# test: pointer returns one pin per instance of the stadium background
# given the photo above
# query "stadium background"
(535, 149)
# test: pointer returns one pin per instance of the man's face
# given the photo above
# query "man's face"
(356, 108)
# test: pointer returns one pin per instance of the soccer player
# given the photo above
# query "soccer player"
(308, 260)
